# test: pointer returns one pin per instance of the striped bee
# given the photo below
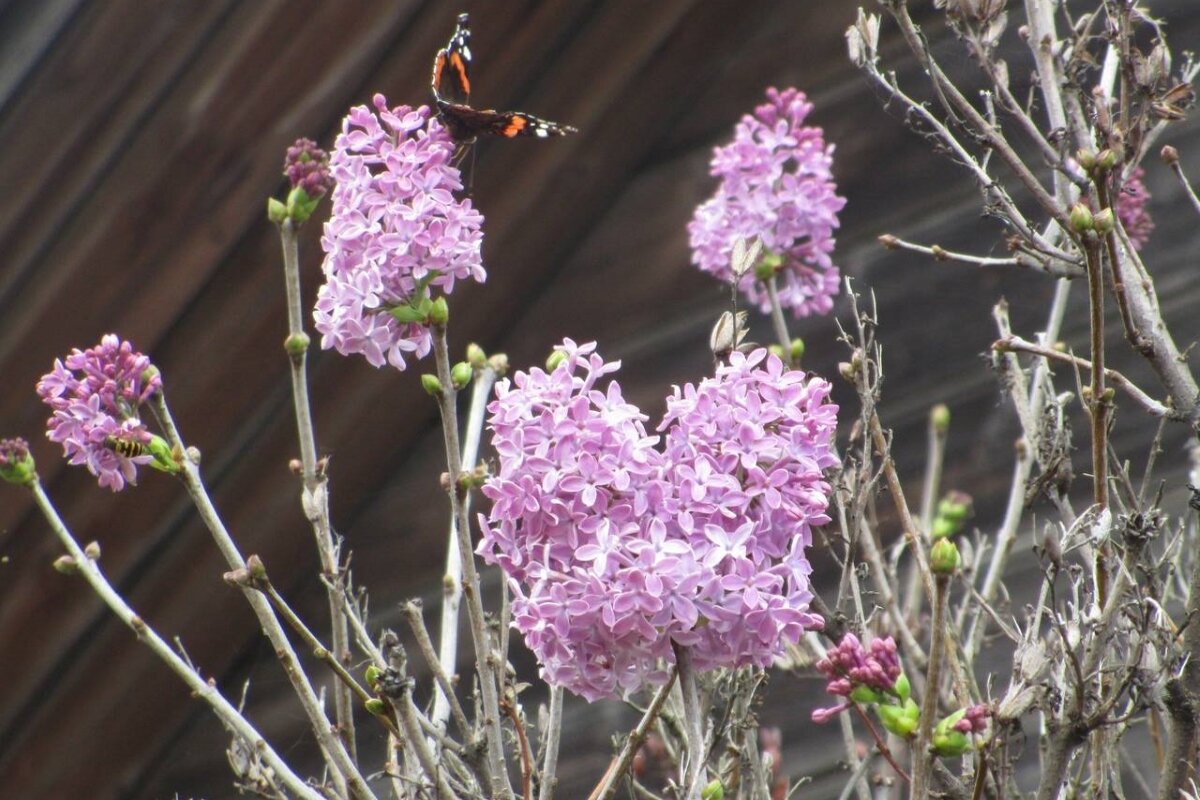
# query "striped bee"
(125, 447)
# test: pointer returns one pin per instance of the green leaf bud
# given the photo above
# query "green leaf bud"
(897, 720)
(375, 706)
(942, 528)
(865, 695)
(1104, 222)
(715, 790)
(775, 350)
(556, 358)
(431, 384)
(797, 350)
(372, 674)
(296, 344)
(475, 356)
(439, 312)
(943, 557)
(902, 688)
(939, 418)
(1081, 218)
(276, 211)
(66, 565)
(767, 266)
(461, 374)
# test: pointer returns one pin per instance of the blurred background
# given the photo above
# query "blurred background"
(138, 145)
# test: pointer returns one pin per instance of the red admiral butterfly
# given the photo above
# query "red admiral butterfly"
(451, 86)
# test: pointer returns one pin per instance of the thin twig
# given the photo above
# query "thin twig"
(342, 767)
(553, 734)
(922, 756)
(488, 670)
(1053, 267)
(416, 621)
(485, 378)
(1148, 403)
(607, 787)
(526, 754)
(200, 688)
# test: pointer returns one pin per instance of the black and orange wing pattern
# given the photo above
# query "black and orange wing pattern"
(451, 85)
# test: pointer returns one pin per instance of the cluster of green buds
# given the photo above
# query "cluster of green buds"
(949, 520)
(463, 372)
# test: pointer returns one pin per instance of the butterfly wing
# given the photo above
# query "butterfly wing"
(451, 81)
(466, 123)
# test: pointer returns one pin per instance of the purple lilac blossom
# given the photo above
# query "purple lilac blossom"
(1131, 206)
(94, 395)
(616, 550)
(776, 185)
(848, 665)
(395, 229)
(306, 167)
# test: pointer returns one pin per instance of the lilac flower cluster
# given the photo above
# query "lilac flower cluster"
(95, 395)
(617, 551)
(776, 185)
(848, 665)
(1131, 206)
(306, 167)
(396, 230)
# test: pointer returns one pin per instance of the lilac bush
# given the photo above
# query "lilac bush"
(395, 232)
(617, 552)
(94, 395)
(777, 185)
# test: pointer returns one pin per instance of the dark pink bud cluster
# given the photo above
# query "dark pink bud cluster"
(974, 720)
(848, 665)
(306, 167)
(13, 451)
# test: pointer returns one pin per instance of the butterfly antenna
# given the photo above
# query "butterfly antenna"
(471, 184)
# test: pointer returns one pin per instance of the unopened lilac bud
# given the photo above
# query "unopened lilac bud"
(16, 462)
(306, 167)
(1086, 158)
(1081, 218)
(431, 384)
(943, 557)
(1104, 221)
(460, 374)
(92, 551)
(1106, 159)
(475, 356)
(1169, 155)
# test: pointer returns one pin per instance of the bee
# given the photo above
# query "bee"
(125, 447)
